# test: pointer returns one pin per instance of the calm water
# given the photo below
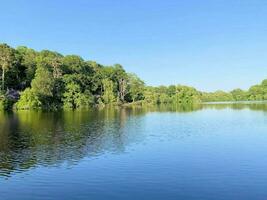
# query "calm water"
(205, 152)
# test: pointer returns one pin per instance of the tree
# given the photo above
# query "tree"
(73, 64)
(256, 92)
(43, 82)
(43, 87)
(28, 62)
(119, 77)
(28, 100)
(85, 100)
(151, 96)
(122, 80)
(57, 64)
(74, 98)
(239, 95)
(136, 87)
(164, 98)
(96, 78)
(186, 95)
(71, 94)
(108, 96)
(7, 59)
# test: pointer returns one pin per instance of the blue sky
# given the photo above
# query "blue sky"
(208, 44)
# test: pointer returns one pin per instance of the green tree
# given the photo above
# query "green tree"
(85, 100)
(256, 92)
(7, 59)
(151, 96)
(29, 63)
(28, 100)
(239, 95)
(186, 95)
(136, 87)
(73, 64)
(74, 98)
(43, 83)
(71, 94)
(108, 96)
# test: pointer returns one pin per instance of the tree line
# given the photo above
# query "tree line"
(49, 80)
(254, 93)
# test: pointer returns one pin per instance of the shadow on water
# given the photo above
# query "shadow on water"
(30, 139)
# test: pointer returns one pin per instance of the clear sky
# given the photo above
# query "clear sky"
(208, 44)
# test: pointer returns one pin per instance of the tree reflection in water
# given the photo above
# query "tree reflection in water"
(30, 139)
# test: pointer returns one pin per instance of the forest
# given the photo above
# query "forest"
(48, 80)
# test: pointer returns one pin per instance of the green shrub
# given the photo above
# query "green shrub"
(28, 100)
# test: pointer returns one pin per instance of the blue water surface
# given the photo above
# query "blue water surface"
(202, 152)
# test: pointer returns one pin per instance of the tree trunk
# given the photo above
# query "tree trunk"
(3, 79)
(122, 89)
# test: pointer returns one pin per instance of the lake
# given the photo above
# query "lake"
(210, 151)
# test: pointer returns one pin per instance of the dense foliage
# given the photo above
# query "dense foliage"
(49, 80)
(255, 93)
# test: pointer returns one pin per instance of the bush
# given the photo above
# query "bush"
(28, 100)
